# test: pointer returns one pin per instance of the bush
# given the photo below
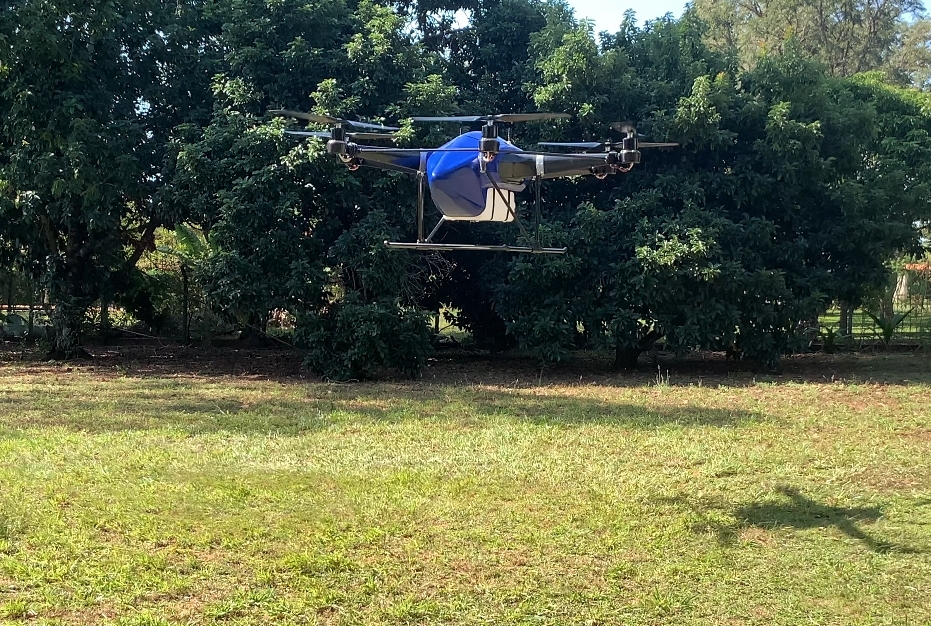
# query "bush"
(351, 339)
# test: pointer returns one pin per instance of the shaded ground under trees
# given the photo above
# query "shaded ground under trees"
(154, 358)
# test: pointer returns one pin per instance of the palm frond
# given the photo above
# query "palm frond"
(191, 242)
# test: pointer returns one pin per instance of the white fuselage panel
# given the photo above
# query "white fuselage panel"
(496, 208)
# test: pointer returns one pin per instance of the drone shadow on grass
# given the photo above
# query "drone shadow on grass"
(801, 512)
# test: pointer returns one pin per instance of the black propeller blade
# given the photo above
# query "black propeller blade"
(322, 134)
(329, 120)
(624, 127)
(600, 146)
(506, 118)
(588, 145)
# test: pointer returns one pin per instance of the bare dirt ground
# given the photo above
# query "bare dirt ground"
(164, 359)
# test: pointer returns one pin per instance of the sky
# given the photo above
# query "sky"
(609, 13)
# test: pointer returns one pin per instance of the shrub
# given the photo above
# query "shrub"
(351, 339)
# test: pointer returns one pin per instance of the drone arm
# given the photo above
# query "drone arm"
(386, 166)
(519, 166)
(406, 161)
(562, 168)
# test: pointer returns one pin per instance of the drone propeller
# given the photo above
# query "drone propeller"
(628, 129)
(587, 145)
(599, 146)
(329, 120)
(608, 145)
(350, 136)
(506, 118)
(624, 127)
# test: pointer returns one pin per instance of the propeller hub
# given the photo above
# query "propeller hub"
(488, 144)
(336, 146)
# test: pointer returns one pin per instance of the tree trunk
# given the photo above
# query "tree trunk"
(252, 334)
(886, 305)
(67, 291)
(32, 308)
(846, 319)
(186, 318)
(66, 327)
(104, 316)
(900, 296)
(625, 358)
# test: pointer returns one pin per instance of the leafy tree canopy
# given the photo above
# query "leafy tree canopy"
(91, 93)
(848, 37)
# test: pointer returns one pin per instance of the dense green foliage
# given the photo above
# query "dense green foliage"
(90, 94)
(796, 182)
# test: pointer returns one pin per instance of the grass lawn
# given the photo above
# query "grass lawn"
(482, 494)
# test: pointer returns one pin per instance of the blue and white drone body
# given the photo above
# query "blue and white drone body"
(475, 176)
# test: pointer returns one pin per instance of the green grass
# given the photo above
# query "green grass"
(184, 499)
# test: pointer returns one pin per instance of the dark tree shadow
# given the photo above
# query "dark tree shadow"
(802, 512)
(158, 359)
(160, 404)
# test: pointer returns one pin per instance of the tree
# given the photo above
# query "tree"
(376, 322)
(91, 93)
(276, 207)
(848, 37)
(788, 193)
(793, 186)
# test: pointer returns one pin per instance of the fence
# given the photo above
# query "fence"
(907, 302)
(909, 296)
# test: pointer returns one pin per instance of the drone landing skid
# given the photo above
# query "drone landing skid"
(455, 247)
(427, 243)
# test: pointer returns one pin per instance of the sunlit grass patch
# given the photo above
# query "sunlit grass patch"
(158, 500)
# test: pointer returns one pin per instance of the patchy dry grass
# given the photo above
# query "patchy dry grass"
(476, 496)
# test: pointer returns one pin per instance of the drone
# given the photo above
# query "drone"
(475, 176)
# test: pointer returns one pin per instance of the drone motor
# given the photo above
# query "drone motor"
(488, 144)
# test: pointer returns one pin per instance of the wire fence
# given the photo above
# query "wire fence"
(905, 310)
(915, 327)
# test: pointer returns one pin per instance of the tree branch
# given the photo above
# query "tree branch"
(49, 235)
(145, 242)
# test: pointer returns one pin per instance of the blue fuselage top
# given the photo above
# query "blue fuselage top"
(457, 185)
